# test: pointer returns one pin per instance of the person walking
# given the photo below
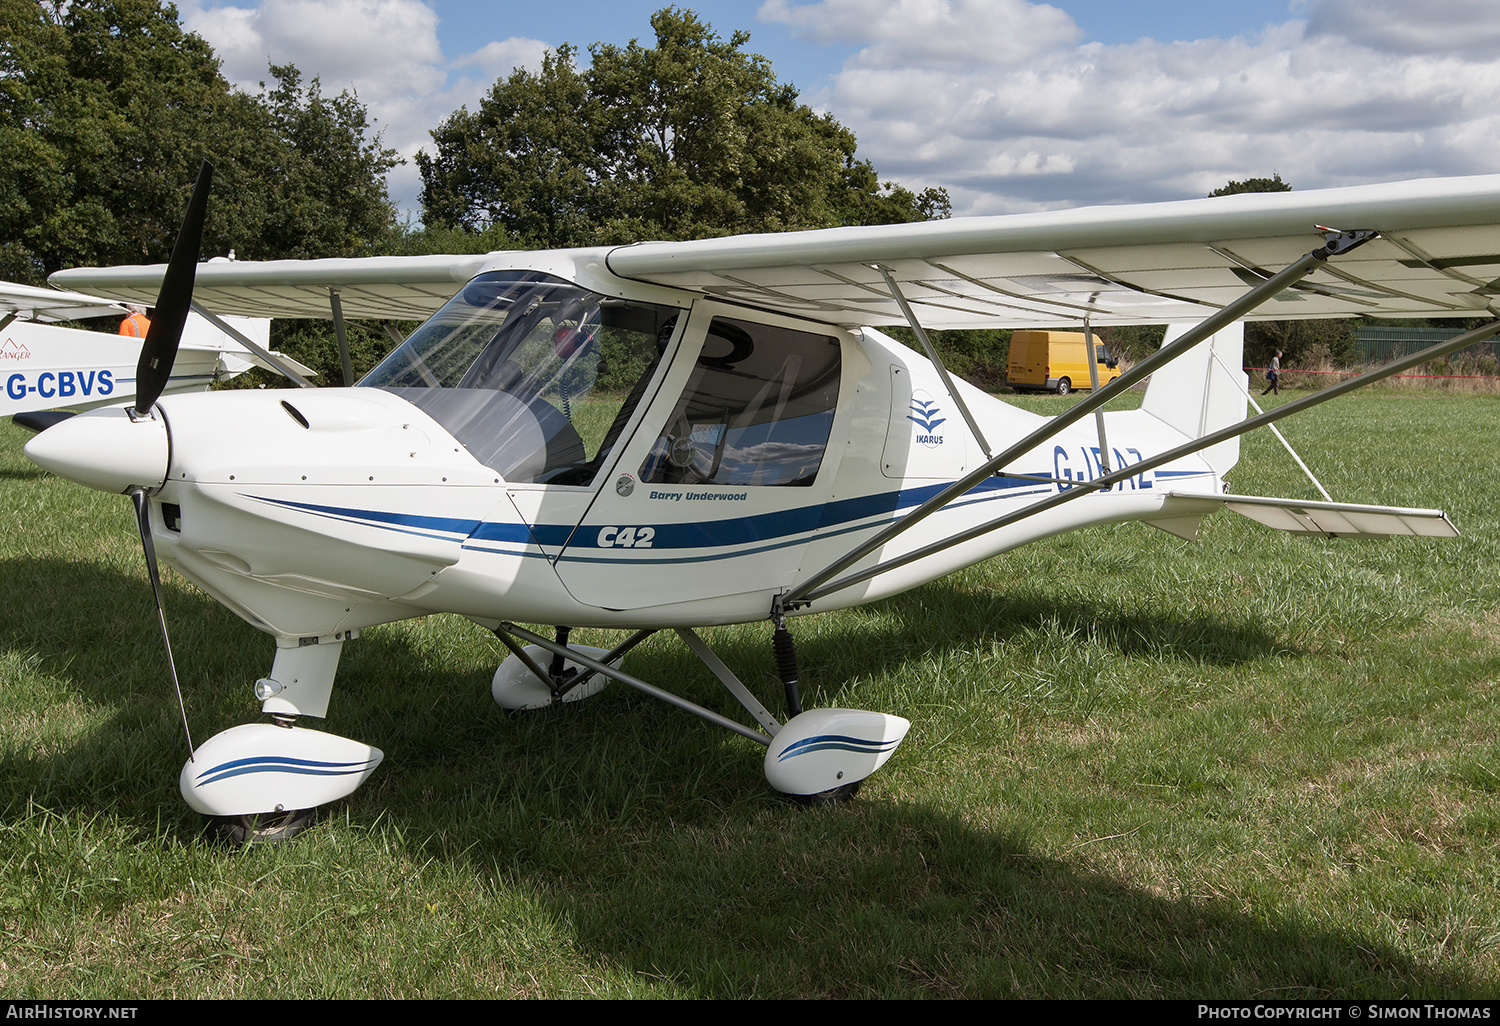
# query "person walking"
(136, 325)
(1273, 374)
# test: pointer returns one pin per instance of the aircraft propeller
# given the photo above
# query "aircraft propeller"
(126, 451)
(158, 353)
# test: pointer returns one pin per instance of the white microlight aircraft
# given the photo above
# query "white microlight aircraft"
(675, 435)
(46, 367)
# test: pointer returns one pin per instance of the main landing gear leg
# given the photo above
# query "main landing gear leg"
(817, 756)
(786, 666)
(790, 673)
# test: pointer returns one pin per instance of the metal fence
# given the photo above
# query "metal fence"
(1381, 344)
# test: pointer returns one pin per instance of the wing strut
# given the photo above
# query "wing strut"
(916, 326)
(1337, 242)
(1093, 359)
(244, 340)
(338, 329)
(1087, 487)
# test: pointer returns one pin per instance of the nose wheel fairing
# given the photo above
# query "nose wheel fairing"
(269, 768)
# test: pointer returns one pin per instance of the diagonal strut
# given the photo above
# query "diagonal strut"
(1080, 489)
(1338, 242)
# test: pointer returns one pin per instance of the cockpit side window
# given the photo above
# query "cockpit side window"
(757, 409)
(530, 373)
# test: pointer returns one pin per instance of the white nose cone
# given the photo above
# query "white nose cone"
(104, 449)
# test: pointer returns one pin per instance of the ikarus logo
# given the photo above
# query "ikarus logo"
(927, 415)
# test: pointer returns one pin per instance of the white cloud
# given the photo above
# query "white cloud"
(386, 51)
(380, 47)
(500, 58)
(1451, 27)
(996, 99)
(1346, 96)
(930, 33)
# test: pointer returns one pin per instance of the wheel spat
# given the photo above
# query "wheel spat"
(159, 351)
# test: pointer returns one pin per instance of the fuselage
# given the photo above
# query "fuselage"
(672, 461)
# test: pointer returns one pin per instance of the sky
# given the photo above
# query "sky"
(1011, 106)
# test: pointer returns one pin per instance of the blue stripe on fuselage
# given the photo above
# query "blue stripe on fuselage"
(782, 524)
(447, 525)
(764, 531)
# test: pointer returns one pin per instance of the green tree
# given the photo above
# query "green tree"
(978, 355)
(1272, 184)
(323, 171)
(108, 106)
(1308, 344)
(106, 109)
(690, 138)
(1303, 343)
(863, 199)
(99, 103)
(525, 161)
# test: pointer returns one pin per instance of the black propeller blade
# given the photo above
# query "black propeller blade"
(38, 421)
(160, 348)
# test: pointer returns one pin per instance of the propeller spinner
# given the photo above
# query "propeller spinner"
(120, 450)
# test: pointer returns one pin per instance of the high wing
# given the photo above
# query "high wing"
(382, 288)
(50, 305)
(1147, 263)
(1144, 263)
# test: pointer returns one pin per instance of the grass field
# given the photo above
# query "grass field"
(1249, 766)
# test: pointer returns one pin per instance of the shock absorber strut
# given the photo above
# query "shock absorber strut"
(559, 669)
(786, 666)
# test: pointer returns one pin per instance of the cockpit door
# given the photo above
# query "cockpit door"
(633, 353)
(723, 483)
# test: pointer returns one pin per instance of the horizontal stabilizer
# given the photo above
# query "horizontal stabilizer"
(1329, 519)
(286, 361)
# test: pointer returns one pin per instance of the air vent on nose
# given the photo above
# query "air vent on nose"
(294, 413)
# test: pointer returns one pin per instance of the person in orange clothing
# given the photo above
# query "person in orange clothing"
(136, 325)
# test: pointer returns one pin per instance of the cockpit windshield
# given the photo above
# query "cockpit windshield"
(537, 377)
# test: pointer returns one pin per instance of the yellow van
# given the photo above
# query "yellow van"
(1054, 361)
